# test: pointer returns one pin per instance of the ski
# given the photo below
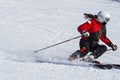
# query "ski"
(82, 63)
(107, 66)
(99, 65)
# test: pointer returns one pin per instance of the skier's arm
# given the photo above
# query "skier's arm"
(105, 40)
(84, 27)
(108, 42)
(103, 36)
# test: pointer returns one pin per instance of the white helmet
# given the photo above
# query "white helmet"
(103, 16)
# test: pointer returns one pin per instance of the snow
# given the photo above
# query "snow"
(29, 25)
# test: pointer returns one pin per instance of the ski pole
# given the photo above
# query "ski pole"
(109, 49)
(56, 44)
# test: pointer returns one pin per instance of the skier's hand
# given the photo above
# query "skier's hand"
(114, 47)
(85, 33)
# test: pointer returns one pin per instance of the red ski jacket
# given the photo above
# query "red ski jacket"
(97, 31)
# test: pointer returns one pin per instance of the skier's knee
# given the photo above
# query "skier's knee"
(104, 48)
(99, 51)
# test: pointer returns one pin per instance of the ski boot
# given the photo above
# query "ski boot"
(91, 58)
(77, 54)
(74, 56)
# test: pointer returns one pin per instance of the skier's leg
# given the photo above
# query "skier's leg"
(78, 54)
(84, 48)
(99, 50)
(96, 51)
(82, 52)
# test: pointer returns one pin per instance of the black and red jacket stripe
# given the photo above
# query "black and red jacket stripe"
(97, 31)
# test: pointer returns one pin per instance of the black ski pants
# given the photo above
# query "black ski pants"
(96, 49)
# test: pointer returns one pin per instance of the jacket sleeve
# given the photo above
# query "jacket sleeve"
(104, 38)
(85, 26)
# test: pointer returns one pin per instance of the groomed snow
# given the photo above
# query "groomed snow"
(29, 25)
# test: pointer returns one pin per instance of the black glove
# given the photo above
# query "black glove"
(114, 47)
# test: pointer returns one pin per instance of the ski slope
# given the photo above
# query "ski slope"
(29, 25)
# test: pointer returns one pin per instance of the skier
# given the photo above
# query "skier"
(91, 31)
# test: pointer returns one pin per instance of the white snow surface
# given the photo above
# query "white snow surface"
(29, 25)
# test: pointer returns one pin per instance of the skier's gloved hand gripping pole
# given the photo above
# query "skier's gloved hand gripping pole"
(56, 44)
(85, 33)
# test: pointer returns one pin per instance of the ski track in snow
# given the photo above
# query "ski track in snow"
(28, 25)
